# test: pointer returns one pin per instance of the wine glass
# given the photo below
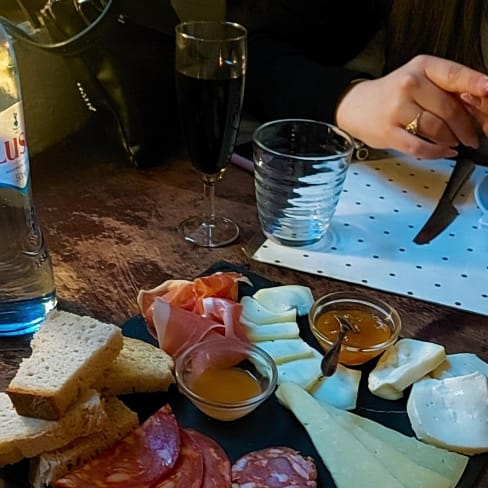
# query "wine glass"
(210, 73)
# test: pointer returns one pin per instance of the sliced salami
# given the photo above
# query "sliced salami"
(188, 471)
(216, 464)
(274, 467)
(139, 460)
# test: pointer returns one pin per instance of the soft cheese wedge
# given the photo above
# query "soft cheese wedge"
(286, 297)
(458, 365)
(284, 350)
(340, 389)
(402, 364)
(254, 312)
(451, 412)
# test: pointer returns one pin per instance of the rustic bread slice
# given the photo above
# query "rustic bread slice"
(22, 437)
(139, 368)
(52, 465)
(69, 352)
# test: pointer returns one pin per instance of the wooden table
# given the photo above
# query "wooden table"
(112, 229)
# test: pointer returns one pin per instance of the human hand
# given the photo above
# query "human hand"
(448, 100)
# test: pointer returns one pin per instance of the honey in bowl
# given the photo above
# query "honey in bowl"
(227, 385)
(378, 323)
(226, 378)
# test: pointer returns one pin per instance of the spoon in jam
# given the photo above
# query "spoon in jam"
(328, 365)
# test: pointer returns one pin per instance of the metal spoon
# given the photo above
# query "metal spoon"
(328, 365)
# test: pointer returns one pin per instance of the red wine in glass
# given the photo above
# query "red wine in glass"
(210, 72)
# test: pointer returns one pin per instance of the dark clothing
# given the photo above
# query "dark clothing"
(297, 52)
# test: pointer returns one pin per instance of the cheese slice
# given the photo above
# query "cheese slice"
(450, 465)
(304, 372)
(284, 350)
(340, 389)
(459, 365)
(402, 364)
(407, 472)
(254, 312)
(452, 412)
(349, 462)
(266, 332)
(286, 297)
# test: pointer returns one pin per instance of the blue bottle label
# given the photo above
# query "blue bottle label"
(14, 162)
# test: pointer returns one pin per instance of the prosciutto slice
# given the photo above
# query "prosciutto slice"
(188, 294)
(176, 329)
(180, 313)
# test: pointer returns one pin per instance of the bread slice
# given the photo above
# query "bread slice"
(69, 352)
(140, 367)
(22, 437)
(52, 465)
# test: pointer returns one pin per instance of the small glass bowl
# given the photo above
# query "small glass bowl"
(225, 353)
(344, 304)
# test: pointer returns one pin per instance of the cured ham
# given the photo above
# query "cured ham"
(188, 294)
(177, 329)
(180, 313)
(141, 459)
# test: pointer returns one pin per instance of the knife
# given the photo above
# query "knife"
(445, 212)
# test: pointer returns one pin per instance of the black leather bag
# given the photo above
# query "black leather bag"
(121, 53)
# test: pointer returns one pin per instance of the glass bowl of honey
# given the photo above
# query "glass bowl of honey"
(378, 325)
(225, 378)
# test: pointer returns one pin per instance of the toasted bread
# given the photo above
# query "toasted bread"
(139, 368)
(22, 437)
(69, 353)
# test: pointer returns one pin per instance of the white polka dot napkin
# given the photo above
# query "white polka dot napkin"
(383, 205)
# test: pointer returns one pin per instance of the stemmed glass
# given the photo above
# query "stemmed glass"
(210, 73)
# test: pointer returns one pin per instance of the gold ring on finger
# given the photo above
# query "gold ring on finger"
(413, 127)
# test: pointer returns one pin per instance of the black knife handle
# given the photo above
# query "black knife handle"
(460, 173)
(478, 156)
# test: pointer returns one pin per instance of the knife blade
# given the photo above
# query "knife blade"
(445, 211)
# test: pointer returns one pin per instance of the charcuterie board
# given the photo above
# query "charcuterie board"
(273, 425)
(270, 424)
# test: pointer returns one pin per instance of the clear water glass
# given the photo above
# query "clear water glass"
(300, 169)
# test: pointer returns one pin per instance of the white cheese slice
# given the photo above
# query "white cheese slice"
(285, 297)
(349, 462)
(452, 412)
(304, 372)
(458, 365)
(266, 332)
(401, 365)
(450, 465)
(254, 311)
(340, 389)
(284, 350)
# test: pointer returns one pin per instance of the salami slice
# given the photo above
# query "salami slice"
(274, 467)
(139, 460)
(216, 464)
(188, 471)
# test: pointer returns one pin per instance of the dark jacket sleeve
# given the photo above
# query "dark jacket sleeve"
(297, 53)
